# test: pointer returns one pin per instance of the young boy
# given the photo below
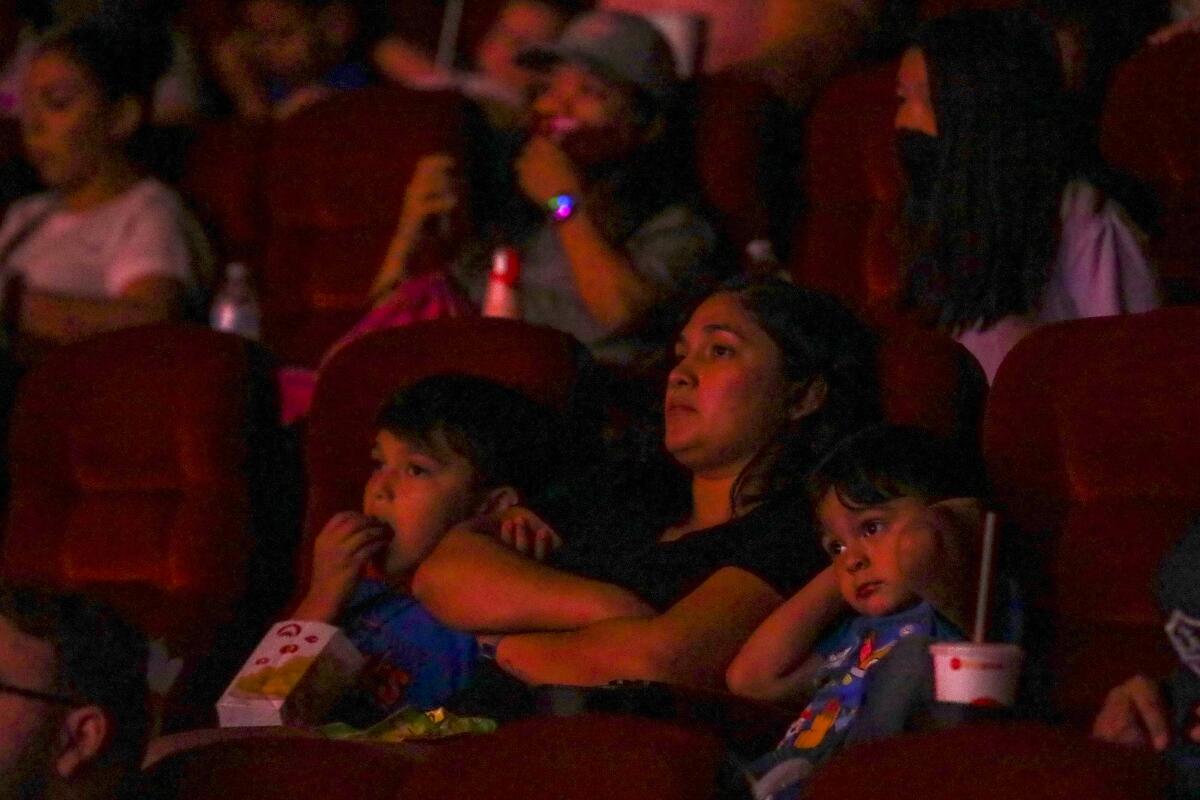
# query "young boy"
(448, 448)
(898, 515)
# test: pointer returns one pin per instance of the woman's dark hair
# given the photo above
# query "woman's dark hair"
(982, 243)
(886, 462)
(123, 55)
(508, 439)
(820, 340)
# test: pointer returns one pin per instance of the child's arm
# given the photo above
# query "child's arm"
(473, 582)
(340, 552)
(939, 556)
(778, 659)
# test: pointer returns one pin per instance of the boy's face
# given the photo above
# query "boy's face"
(864, 544)
(420, 490)
(283, 36)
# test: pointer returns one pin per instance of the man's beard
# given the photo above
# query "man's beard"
(28, 775)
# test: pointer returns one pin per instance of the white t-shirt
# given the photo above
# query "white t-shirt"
(143, 233)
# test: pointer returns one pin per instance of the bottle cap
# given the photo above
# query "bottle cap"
(506, 266)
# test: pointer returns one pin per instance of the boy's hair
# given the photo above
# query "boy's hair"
(886, 462)
(507, 438)
(99, 659)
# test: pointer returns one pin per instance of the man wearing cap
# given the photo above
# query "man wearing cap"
(73, 718)
(607, 241)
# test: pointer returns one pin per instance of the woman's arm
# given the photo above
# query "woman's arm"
(939, 556)
(472, 582)
(778, 659)
(63, 318)
(691, 643)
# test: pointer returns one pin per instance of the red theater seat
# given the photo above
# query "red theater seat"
(931, 381)
(845, 241)
(355, 382)
(278, 768)
(134, 459)
(1092, 445)
(1150, 127)
(741, 158)
(991, 762)
(222, 177)
(335, 180)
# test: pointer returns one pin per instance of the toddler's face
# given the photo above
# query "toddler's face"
(421, 490)
(864, 544)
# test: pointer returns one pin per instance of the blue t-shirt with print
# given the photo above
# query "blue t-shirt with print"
(842, 685)
(411, 658)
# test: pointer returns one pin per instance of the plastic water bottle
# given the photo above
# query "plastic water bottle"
(502, 297)
(235, 308)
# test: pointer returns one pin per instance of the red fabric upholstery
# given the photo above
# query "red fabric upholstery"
(982, 762)
(1092, 445)
(223, 178)
(845, 242)
(281, 768)
(354, 384)
(336, 174)
(1149, 128)
(742, 170)
(931, 381)
(129, 459)
(608, 756)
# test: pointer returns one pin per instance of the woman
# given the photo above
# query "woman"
(1005, 234)
(105, 248)
(767, 377)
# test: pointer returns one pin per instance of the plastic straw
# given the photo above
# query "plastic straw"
(985, 576)
(448, 40)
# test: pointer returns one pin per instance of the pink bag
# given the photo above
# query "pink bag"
(425, 297)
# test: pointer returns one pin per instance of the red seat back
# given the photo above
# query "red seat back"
(1149, 128)
(335, 181)
(354, 384)
(845, 242)
(991, 762)
(131, 457)
(222, 177)
(1092, 446)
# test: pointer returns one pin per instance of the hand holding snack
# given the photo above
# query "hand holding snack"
(340, 552)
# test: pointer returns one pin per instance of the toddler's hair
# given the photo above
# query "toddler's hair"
(886, 462)
(508, 439)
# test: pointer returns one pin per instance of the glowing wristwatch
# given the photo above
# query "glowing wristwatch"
(562, 207)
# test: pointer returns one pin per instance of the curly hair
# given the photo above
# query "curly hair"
(982, 243)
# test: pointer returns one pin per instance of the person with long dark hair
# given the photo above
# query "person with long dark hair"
(768, 376)
(1004, 231)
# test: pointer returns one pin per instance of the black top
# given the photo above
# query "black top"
(775, 542)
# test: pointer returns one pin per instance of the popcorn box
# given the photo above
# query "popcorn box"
(294, 677)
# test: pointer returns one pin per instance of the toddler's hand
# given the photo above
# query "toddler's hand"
(525, 532)
(340, 552)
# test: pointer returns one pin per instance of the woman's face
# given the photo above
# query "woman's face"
(912, 88)
(68, 126)
(727, 396)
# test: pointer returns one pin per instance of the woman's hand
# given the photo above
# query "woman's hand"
(340, 552)
(525, 532)
(1135, 714)
(545, 171)
(938, 553)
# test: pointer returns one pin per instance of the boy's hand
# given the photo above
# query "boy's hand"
(525, 532)
(340, 552)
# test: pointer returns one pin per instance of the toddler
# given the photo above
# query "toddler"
(448, 448)
(897, 512)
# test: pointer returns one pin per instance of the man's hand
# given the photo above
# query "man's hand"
(1135, 714)
(545, 171)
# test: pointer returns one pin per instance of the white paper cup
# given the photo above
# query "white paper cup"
(976, 674)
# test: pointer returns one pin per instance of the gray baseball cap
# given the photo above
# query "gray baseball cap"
(621, 47)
